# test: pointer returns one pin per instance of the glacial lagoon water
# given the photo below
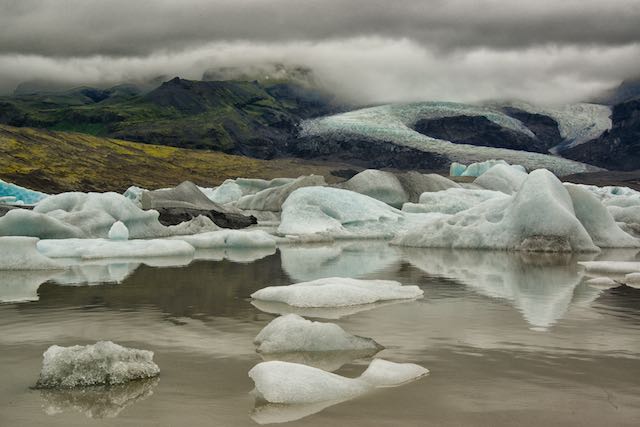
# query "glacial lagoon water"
(509, 339)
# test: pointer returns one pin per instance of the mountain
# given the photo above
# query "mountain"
(626, 91)
(618, 148)
(239, 117)
(53, 162)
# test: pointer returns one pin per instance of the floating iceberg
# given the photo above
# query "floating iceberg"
(633, 280)
(292, 333)
(507, 179)
(337, 292)
(20, 195)
(102, 363)
(451, 201)
(118, 231)
(232, 190)
(291, 383)
(539, 217)
(479, 168)
(21, 253)
(103, 248)
(380, 185)
(271, 199)
(230, 239)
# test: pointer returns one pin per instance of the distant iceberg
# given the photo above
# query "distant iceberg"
(14, 194)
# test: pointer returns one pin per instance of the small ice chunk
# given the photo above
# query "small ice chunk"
(457, 169)
(602, 282)
(337, 292)
(615, 268)
(292, 383)
(102, 363)
(291, 333)
(633, 280)
(118, 231)
(20, 253)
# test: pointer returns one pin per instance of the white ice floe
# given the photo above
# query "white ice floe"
(21, 253)
(611, 268)
(291, 383)
(451, 201)
(230, 239)
(540, 217)
(504, 178)
(272, 198)
(632, 279)
(337, 292)
(102, 363)
(292, 333)
(103, 248)
(118, 231)
(380, 185)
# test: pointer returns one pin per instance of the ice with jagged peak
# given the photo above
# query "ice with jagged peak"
(339, 213)
(16, 194)
(230, 239)
(539, 217)
(577, 123)
(478, 168)
(504, 178)
(380, 185)
(21, 253)
(272, 198)
(101, 363)
(393, 123)
(292, 333)
(118, 231)
(292, 383)
(104, 248)
(452, 201)
(337, 292)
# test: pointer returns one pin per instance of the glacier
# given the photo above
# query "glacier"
(394, 123)
(101, 363)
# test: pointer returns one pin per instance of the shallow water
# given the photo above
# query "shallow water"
(510, 339)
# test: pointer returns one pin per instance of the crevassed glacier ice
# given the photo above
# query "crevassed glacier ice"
(380, 185)
(291, 383)
(540, 217)
(101, 363)
(21, 253)
(337, 292)
(394, 122)
(19, 194)
(292, 333)
(103, 248)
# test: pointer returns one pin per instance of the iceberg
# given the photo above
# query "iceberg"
(230, 239)
(611, 268)
(272, 198)
(632, 280)
(451, 201)
(540, 217)
(292, 333)
(380, 185)
(21, 253)
(232, 190)
(20, 195)
(504, 178)
(293, 384)
(103, 363)
(337, 292)
(118, 231)
(103, 248)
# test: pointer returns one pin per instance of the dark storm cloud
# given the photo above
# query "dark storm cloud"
(364, 50)
(126, 27)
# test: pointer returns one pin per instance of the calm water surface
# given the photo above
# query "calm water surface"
(509, 339)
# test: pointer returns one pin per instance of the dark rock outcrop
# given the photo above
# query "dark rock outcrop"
(544, 127)
(480, 131)
(617, 148)
(175, 216)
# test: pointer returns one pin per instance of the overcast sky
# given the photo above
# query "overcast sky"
(365, 50)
